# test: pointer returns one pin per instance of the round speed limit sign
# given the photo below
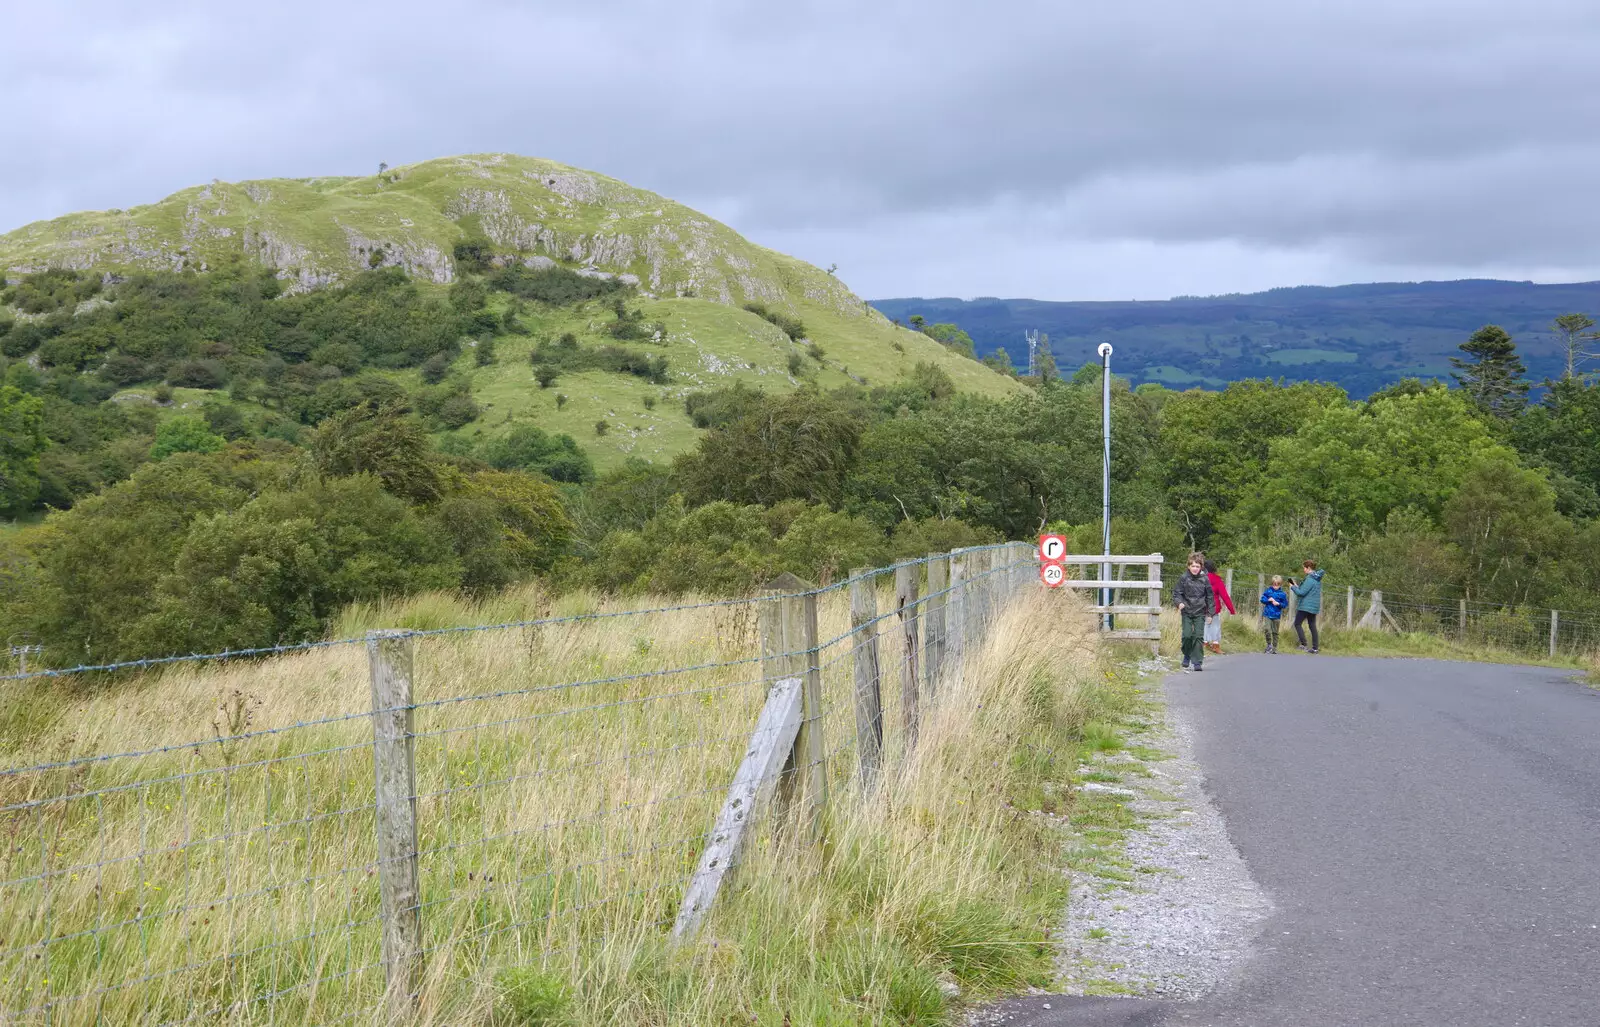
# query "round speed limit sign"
(1052, 548)
(1052, 574)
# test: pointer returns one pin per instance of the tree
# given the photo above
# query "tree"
(377, 440)
(799, 446)
(1505, 521)
(1044, 361)
(1493, 377)
(185, 435)
(1574, 332)
(21, 442)
(527, 448)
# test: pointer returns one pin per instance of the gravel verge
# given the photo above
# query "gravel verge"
(1188, 917)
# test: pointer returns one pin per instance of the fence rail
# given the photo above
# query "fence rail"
(516, 792)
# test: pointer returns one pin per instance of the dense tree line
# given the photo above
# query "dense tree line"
(251, 523)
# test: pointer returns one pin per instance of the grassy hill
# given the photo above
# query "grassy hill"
(1360, 336)
(690, 273)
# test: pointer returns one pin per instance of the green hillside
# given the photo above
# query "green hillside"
(687, 272)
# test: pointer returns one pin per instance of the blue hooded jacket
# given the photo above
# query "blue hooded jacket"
(1270, 611)
(1310, 592)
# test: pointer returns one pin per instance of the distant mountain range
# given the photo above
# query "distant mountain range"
(1360, 336)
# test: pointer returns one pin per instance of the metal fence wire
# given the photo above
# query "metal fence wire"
(564, 774)
(1536, 631)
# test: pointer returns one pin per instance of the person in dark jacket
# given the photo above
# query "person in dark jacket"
(1273, 602)
(1193, 596)
(1219, 588)
(1309, 593)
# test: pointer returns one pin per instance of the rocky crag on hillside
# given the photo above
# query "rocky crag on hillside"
(321, 230)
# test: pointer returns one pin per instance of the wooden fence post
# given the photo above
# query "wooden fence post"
(1153, 599)
(934, 637)
(1463, 622)
(390, 660)
(789, 649)
(905, 604)
(981, 561)
(1555, 620)
(869, 699)
(769, 749)
(956, 614)
(1227, 583)
(1261, 588)
(1349, 606)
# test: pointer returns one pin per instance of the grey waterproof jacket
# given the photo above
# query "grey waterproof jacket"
(1195, 593)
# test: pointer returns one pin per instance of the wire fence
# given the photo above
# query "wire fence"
(1532, 630)
(558, 781)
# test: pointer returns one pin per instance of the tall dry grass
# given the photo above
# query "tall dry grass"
(567, 776)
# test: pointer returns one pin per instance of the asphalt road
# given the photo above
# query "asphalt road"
(1428, 831)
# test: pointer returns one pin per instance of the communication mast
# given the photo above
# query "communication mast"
(1032, 336)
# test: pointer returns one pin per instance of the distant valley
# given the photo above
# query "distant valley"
(1359, 336)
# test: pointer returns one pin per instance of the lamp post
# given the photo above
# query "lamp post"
(1105, 476)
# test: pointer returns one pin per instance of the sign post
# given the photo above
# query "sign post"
(1052, 557)
(1107, 596)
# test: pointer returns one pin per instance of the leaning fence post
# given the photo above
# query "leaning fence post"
(390, 659)
(1555, 620)
(905, 604)
(869, 699)
(789, 649)
(933, 632)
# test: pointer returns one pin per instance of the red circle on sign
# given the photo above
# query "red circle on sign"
(1052, 574)
(1052, 548)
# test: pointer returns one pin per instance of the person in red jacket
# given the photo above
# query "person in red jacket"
(1219, 587)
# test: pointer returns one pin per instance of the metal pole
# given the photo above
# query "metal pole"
(1105, 476)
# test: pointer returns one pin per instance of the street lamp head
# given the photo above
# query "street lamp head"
(1104, 350)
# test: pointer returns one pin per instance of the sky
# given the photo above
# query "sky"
(1056, 150)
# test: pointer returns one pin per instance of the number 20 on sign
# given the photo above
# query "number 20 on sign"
(1052, 574)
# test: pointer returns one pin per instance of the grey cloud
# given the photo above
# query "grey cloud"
(1365, 135)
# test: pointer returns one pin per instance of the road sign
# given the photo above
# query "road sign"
(1052, 548)
(1052, 574)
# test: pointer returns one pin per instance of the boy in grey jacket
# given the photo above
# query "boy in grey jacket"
(1195, 600)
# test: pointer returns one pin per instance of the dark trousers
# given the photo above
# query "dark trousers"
(1302, 617)
(1270, 626)
(1194, 633)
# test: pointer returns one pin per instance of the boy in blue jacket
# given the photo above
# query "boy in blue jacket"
(1273, 602)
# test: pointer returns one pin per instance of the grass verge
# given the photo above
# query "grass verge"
(235, 881)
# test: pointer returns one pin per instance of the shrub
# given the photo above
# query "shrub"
(556, 286)
(185, 435)
(797, 364)
(198, 374)
(473, 254)
(526, 448)
(649, 401)
(163, 394)
(546, 376)
(467, 295)
(436, 367)
(561, 400)
(793, 327)
(483, 353)
(601, 426)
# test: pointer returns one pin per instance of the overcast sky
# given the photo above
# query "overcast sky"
(1063, 150)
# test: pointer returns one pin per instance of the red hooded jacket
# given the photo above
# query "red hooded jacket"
(1221, 589)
